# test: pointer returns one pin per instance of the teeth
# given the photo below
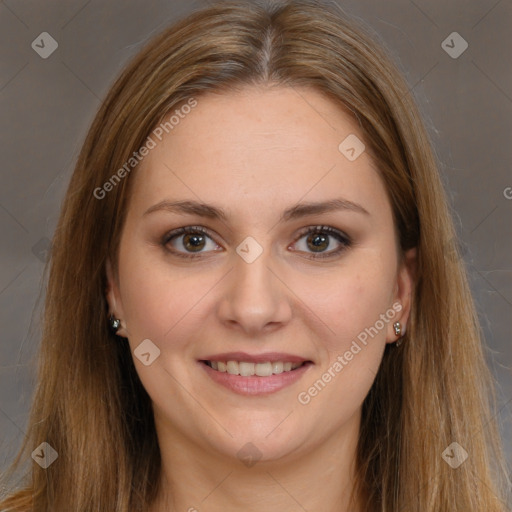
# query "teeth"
(232, 367)
(263, 369)
(277, 367)
(246, 369)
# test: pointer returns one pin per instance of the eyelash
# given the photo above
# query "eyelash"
(341, 237)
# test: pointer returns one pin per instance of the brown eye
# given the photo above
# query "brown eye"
(319, 239)
(193, 242)
(186, 241)
(318, 242)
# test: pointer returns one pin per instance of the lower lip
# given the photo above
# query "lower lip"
(255, 385)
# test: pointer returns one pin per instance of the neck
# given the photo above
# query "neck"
(197, 480)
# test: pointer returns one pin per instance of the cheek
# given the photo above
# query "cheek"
(351, 302)
(352, 306)
(155, 298)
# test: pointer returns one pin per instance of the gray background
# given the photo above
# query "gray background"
(48, 104)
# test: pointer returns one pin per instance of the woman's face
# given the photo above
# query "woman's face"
(255, 283)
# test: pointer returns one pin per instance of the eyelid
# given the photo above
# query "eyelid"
(323, 229)
(184, 230)
(176, 233)
(341, 237)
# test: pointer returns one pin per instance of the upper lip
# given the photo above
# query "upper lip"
(256, 358)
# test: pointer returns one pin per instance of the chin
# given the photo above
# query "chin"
(265, 444)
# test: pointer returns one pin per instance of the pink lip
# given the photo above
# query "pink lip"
(255, 358)
(255, 385)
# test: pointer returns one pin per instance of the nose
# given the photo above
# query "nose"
(255, 298)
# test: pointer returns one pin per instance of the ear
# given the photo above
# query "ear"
(404, 291)
(113, 297)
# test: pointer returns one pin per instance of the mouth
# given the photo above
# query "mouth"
(249, 369)
(254, 375)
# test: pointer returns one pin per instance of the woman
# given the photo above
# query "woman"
(250, 305)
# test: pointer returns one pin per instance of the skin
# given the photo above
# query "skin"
(256, 153)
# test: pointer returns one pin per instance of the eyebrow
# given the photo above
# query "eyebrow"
(295, 212)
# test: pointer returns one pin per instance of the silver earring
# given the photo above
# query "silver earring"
(115, 323)
(398, 331)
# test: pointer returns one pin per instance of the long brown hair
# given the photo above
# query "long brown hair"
(89, 403)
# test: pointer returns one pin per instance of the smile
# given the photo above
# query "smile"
(247, 369)
(247, 378)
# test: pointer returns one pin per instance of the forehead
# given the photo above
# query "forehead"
(258, 148)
